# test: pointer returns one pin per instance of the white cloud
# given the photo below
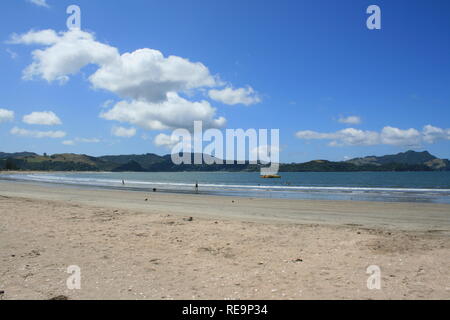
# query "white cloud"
(433, 134)
(80, 140)
(349, 136)
(47, 118)
(350, 120)
(66, 53)
(87, 140)
(176, 112)
(37, 134)
(230, 96)
(123, 132)
(146, 74)
(40, 3)
(6, 115)
(387, 136)
(398, 137)
(68, 142)
(142, 74)
(150, 83)
(167, 141)
(44, 37)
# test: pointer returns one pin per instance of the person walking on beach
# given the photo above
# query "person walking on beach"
(196, 187)
(123, 182)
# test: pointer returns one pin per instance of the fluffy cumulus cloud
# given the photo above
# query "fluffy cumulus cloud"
(146, 74)
(349, 136)
(387, 136)
(246, 96)
(6, 115)
(37, 134)
(65, 53)
(47, 118)
(175, 112)
(350, 120)
(43, 37)
(40, 3)
(398, 137)
(432, 134)
(123, 132)
(150, 84)
(166, 141)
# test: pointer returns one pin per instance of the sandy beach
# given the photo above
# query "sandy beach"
(136, 245)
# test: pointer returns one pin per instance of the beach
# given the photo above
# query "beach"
(153, 245)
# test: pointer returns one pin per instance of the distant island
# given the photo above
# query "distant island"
(28, 161)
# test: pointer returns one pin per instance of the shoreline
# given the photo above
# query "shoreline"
(406, 216)
(136, 245)
(358, 193)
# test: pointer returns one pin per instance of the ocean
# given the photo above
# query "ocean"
(430, 187)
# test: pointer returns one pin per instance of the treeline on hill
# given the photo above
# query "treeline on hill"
(408, 161)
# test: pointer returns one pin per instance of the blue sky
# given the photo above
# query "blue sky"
(304, 67)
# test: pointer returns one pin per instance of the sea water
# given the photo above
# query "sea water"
(358, 186)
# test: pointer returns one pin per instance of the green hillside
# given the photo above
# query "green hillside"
(406, 161)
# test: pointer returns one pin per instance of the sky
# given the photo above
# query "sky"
(137, 70)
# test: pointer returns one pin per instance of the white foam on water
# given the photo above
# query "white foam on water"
(180, 185)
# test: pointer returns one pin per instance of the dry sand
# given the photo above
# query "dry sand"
(234, 248)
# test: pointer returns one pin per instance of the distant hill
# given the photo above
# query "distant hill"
(131, 166)
(409, 157)
(4, 155)
(56, 162)
(144, 160)
(405, 161)
(438, 164)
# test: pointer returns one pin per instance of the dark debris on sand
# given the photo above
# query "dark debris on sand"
(59, 298)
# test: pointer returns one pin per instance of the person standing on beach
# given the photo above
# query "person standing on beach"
(123, 182)
(196, 187)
